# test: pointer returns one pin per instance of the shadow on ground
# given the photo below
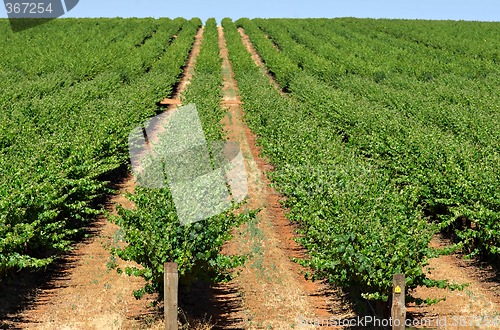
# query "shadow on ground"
(20, 290)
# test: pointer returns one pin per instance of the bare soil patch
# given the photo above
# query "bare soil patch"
(479, 300)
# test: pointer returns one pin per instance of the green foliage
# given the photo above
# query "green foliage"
(388, 133)
(72, 92)
(430, 133)
(367, 149)
(155, 235)
(153, 231)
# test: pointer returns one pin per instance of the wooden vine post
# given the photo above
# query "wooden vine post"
(398, 310)
(170, 290)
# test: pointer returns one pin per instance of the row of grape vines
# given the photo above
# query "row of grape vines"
(71, 92)
(387, 133)
(152, 230)
(459, 122)
(377, 138)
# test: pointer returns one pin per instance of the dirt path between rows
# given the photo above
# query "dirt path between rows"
(476, 307)
(477, 304)
(258, 60)
(89, 293)
(270, 288)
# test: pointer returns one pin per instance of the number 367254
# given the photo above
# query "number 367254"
(28, 8)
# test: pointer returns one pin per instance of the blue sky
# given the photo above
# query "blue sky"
(482, 10)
